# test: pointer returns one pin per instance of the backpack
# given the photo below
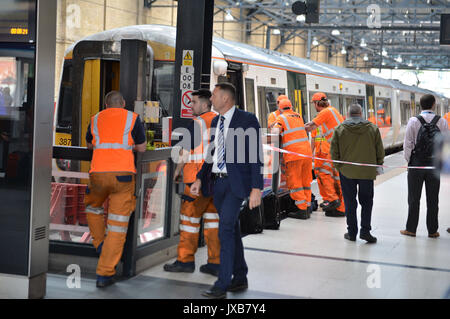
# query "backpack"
(423, 153)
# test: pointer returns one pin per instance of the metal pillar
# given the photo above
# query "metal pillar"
(192, 55)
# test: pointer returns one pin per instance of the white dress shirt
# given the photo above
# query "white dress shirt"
(226, 123)
(413, 127)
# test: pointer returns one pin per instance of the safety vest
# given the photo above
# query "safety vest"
(112, 140)
(330, 118)
(447, 117)
(272, 118)
(198, 154)
(293, 136)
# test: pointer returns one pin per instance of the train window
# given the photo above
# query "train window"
(65, 97)
(405, 112)
(162, 86)
(250, 95)
(384, 115)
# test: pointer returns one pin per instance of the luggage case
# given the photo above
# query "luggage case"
(272, 214)
(251, 221)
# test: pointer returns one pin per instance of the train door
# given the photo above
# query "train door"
(297, 93)
(267, 102)
(234, 76)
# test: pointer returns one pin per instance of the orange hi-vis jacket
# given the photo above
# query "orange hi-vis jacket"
(327, 120)
(198, 154)
(447, 117)
(112, 141)
(293, 136)
(273, 118)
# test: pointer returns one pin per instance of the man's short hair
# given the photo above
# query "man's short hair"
(229, 89)
(355, 110)
(427, 101)
(114, 98)
(204, 95)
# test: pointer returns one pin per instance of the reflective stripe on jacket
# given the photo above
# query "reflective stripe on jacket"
(112, 141)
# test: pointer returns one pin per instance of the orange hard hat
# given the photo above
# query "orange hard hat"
(285, 104)
(319, 97)
(282, 97)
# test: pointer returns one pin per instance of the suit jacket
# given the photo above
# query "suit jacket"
(244, 166)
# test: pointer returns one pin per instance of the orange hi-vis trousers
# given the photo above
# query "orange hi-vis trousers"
(119, 188)
(193, 209)
(328, 180)
(298, 180)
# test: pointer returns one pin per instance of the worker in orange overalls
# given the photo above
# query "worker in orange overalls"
(273, 116)
(194, 207)
(327, 176)
(294, 138)
(113, 134)
(447, 117)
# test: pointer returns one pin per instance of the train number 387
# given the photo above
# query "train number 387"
(65, 141)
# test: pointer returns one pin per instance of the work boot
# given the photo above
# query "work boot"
(334, 213)
(332, 205)
(369, 238)
(104, 281)
(179, 266)
(212, 269)
(299, 214)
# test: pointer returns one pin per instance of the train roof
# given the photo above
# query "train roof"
(247, 53)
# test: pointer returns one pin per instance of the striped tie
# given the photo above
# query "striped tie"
(221, 145)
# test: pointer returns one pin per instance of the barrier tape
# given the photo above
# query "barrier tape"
(276, 149)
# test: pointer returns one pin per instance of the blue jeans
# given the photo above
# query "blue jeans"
(365, 196)
(232, 262)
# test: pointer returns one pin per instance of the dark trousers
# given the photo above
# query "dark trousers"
(365, 196)
(232, 262)
(416, 179)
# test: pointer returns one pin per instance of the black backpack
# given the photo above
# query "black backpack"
(423, 153)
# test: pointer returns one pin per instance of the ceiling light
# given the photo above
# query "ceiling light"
(343, 51)
(365, 58)
(396, 67)
(399, 59)
(276, 31)
(383, 63)
(410, 63)
(301, 18)
(363, 43)
(384, 53)
(335, 32)
(229, 17)
(417, 67)
(315, 42)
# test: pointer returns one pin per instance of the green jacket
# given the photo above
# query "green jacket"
(359, 141)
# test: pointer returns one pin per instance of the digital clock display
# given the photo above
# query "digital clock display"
(17, 20)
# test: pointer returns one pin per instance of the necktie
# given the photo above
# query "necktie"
(221, 145)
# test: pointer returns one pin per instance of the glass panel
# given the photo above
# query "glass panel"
(153, 201)
(384, 112)
(68, 221)
(162, 90)
(405, 112)
(250, 95)
(65, 97)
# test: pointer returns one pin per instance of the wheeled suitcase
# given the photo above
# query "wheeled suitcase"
(251, 221)
(272, 214)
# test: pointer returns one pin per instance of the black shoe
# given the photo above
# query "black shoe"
(104, 281)
(299, 214)
(448, 230)
(178, 266)
(334, 213)
(347, 236)
(237, 286)
(211, 269)
(332, 205)
(369, 238)
(215, 293)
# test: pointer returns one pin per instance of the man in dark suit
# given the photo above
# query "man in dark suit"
(235, 162)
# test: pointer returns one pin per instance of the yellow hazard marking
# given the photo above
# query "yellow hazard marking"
(187, 59)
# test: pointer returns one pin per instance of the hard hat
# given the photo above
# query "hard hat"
(285, 104)
(319, 97)
(281, 97)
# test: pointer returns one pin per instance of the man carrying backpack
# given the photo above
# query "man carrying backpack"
(419, 149)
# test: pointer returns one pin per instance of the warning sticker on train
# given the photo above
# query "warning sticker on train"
(188, 57)
(186, 99)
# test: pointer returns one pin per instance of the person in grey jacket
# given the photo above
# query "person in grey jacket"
(359, 141)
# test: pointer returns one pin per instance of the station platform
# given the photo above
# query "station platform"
(311, 259)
